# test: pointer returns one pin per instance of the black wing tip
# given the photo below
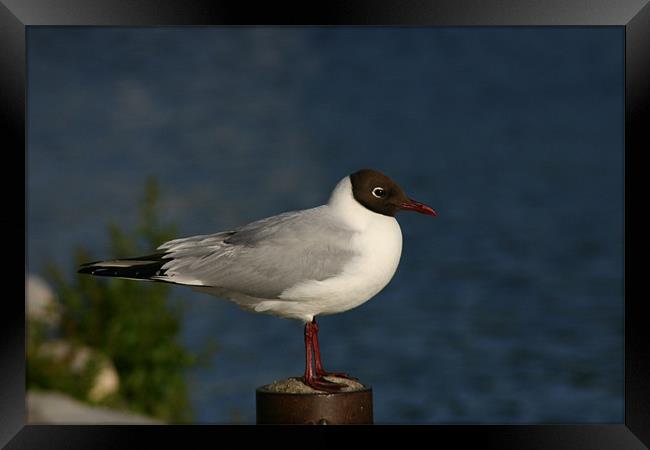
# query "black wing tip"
(141, 271)
(91, 269)
(85, 268)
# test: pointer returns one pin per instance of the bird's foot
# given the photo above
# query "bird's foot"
(324, 373)
(321, 384)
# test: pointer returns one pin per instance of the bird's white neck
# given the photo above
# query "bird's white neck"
(343, 204)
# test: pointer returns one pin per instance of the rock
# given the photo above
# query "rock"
(80, 359)
(106, 383)
(41, 304)
(49, 407)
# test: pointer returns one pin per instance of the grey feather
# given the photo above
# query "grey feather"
(264, 258)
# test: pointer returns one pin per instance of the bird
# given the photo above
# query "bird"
(296, 265)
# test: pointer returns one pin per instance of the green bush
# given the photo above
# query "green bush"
(133, 323)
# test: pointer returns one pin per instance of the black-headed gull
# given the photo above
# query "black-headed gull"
(297, 265)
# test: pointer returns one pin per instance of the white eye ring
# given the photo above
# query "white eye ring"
(378, 192)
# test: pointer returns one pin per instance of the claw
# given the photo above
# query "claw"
(321, 384)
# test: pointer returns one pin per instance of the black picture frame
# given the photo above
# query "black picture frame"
(632, 15)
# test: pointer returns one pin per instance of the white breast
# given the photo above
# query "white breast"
(377, 240)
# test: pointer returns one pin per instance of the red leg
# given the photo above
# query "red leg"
(320, 371)
(317, 382)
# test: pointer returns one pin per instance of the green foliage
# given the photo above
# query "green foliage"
(133, 323)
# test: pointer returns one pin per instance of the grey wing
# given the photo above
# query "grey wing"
(263, 258)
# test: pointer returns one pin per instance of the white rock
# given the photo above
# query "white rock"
(41, 304)
(107, 380)
(106, 383)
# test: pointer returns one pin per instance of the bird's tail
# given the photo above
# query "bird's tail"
(141, 268)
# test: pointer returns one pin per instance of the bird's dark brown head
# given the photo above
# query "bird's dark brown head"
(380, 194)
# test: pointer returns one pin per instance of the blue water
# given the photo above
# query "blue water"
(506, 308)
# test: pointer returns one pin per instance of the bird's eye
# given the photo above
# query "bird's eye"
(378, 192)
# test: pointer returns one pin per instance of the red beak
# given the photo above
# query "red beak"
(412, 205)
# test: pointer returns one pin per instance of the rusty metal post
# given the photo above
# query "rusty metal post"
(291, 405)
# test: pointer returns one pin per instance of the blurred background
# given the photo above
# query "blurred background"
(506, 308)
